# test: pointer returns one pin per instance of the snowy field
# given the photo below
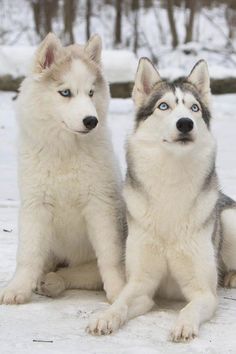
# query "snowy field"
(61, 322)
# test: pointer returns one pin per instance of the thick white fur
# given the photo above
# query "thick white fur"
(71, 208)
(169, 246)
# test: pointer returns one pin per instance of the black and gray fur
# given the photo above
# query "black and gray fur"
(158, 91)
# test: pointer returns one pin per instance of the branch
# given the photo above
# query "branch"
(229, 42)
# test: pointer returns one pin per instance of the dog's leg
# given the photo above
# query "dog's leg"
(105, 233)
(228, 250)
(35, 235)
(134, 300)
(146, 269)
(197, 276)
(200, 309)
(85, 276)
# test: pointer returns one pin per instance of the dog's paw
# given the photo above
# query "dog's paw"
(51, 285)
(106, 323)
(14, 295)
(184, 331)
(230, 280)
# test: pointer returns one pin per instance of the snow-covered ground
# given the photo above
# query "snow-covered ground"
(62, 321)
(119, 65)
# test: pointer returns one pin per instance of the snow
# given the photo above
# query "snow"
(18, 41)
(63, 320)
(210, 25)
(121, 65)
(16, 61)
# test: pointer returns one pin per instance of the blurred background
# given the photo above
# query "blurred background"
(172, 33)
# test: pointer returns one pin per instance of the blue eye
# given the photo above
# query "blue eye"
(163, 106)
(195, 107)
(65, 93)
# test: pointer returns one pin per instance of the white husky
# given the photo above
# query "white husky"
(181, 227)
(71, 216)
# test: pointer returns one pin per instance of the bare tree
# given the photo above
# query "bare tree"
(36, 6)
(69, 12)
(118, 22)
(170, 11)
(230, 16)
(48, 14)
(88, 18)
(189, 23)
(147, 4)
(135, 8)
(44, 11)
(159, 25)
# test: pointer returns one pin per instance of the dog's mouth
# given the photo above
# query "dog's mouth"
(182, 139)
(81, 131)
(84, 132)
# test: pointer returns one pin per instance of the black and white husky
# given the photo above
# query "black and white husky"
(182, 229)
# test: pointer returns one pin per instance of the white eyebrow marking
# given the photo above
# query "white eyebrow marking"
(179, 95)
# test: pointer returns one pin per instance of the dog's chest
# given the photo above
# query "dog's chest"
(170, 197)
(169, 209)
(67, 183)
(165, 213)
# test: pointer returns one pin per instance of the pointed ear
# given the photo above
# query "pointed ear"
(146, 77)
(93, 48)
(47, 53)
(199, 77)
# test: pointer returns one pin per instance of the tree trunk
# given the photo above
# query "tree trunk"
(147, 4)
(159, 25)
(36, 6)
(48, 11)
(69, 17)
(135, 8)
(230, 15)
(190, 22)
(88, 17)
(118, 22)
(43, 13)
(170, 11)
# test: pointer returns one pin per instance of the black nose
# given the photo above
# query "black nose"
(90, 122)
(184, 125)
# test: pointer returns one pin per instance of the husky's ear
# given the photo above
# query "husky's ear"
(199, 77)
(46, 53)
(146, 77)
(93, 48)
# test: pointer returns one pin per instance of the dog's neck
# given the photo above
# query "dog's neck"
(161, 169)
(54, 142)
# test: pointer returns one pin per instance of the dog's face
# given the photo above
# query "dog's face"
(176, 117)
(69, 86)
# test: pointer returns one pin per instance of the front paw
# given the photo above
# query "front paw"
(12, 295)
(184, 331)
(106, 323)
(52, 285)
